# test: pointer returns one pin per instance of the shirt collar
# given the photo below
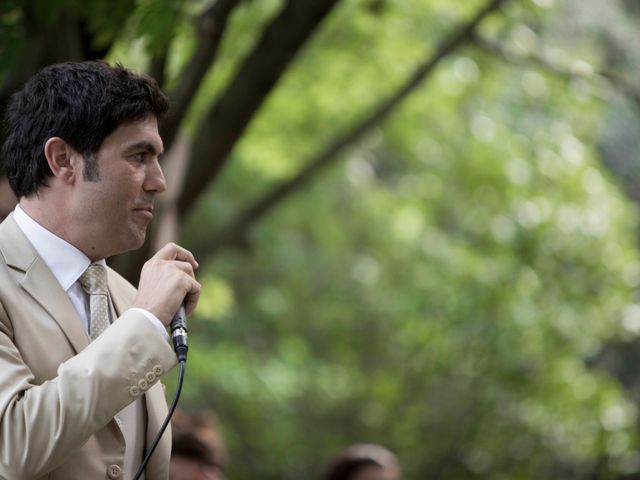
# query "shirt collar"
(64, 260)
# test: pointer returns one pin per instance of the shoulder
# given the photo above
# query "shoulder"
(15, 248)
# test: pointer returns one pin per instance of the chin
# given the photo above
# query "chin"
(133, 242)
(139, 242)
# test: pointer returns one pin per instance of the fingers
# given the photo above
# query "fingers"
(185, 267)
(191, 300)
(192, 295)
(171, 251)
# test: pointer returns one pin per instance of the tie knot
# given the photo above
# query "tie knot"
(94, 280)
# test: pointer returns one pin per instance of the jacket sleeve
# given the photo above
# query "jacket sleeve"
(42, 425)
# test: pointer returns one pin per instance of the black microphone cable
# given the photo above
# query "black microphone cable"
(179, 338)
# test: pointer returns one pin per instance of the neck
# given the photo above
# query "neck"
(40, 208)
(36, 208)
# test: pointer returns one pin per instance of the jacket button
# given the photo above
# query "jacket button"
(150, 376)
(134, 391)
(158, 370)
(143, 384)
(114, 471)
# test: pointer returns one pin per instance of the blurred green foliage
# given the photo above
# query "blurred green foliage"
(441, 290)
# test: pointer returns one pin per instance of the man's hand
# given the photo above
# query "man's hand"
(166, 280)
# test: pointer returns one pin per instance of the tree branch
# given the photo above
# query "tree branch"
(211, 24)
(158, 66)
(235, 232)
(509, 55)
(225, 122)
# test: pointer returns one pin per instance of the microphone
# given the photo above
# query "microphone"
(179, 334)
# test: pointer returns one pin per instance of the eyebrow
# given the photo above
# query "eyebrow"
(144, 145)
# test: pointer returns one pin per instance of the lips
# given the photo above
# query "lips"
(146, 210)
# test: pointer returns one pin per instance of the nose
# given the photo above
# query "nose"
(155, 181)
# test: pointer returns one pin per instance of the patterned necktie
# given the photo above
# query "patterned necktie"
(94, 282)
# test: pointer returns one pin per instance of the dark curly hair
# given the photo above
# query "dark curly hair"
(80, 102)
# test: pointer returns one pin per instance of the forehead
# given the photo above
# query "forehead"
(133, 134)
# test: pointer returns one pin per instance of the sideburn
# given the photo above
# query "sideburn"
(91, 172)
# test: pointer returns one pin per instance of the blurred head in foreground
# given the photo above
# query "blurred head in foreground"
(198, 452)
(364, 462)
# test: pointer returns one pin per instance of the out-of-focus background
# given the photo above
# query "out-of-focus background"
(416, 221)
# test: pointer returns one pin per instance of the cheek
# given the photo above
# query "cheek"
(116, 196)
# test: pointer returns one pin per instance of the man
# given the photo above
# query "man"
(81, 354)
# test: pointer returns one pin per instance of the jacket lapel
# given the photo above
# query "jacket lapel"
(36, 279)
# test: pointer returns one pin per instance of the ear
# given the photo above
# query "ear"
(62, 159)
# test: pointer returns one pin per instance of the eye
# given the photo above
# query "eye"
(140, 156)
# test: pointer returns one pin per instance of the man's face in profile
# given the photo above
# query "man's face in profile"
(112, 211)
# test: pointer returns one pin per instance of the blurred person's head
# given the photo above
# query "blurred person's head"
(365, 462)
(198, 452)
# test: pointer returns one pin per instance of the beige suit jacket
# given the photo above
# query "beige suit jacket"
(58, 392)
